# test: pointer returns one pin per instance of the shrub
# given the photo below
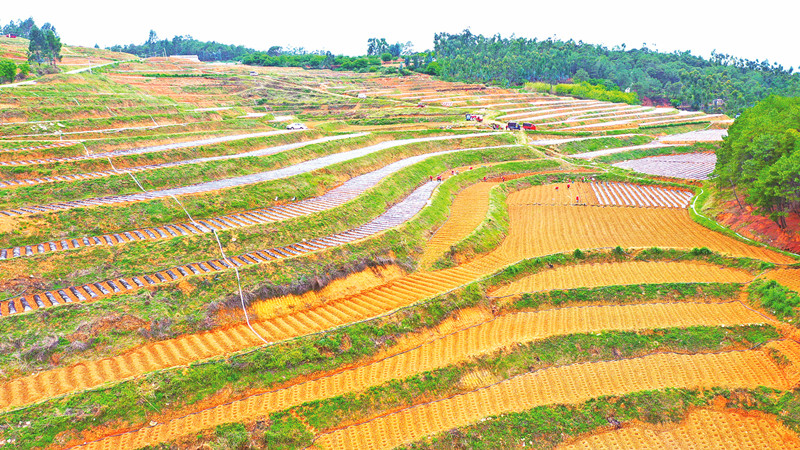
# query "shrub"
(8, 70)
(231, 436)
(24, 70)
(286, 432)
(702, 251)
(778, 299)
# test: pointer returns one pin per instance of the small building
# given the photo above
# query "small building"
(193, 58)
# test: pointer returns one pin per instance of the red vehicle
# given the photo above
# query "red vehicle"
(477, 118)
(420, 105)
(528, 126)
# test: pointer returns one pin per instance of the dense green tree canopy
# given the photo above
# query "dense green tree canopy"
(44, 46)
(184, 45)
(677, 78)
(8, 70)
(761, 157)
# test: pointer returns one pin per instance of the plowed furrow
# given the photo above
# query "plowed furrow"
(448, 349)
(702, 429)
(629, 272)
(570, 384)
(546, 229)
(789, 277)
(467, 212)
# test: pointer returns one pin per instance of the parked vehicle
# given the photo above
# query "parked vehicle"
(253, 73)
(477, 118)
(528, 126)
(362, 95)
(468, 116)
(296, 126)
(420, 105)
(512, 126)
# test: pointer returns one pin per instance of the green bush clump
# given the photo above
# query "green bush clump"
(628, 293)
(230, 436)
(778, 299)
(286, 432)
(587, 90)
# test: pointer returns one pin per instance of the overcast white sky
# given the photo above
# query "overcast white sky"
(765, 29)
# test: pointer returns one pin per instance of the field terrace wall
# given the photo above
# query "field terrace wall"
(117, 171)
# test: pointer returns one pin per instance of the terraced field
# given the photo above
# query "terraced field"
(173, 261)
(470, 207)
(693, 166)
(570, 384)
(701, 429)
(449, 348)
(633, 272)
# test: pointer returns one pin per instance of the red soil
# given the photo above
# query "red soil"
(760, 228)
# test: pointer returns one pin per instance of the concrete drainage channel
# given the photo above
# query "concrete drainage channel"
(336, 197)
(394, 216)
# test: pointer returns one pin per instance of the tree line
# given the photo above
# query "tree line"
(44, 47)
(722, 83)
(759, 161)
(184, 45)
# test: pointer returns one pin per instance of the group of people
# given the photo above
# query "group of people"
(452, 173)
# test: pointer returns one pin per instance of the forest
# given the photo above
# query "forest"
(760, 158)
(184, 45)
(723, 83)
